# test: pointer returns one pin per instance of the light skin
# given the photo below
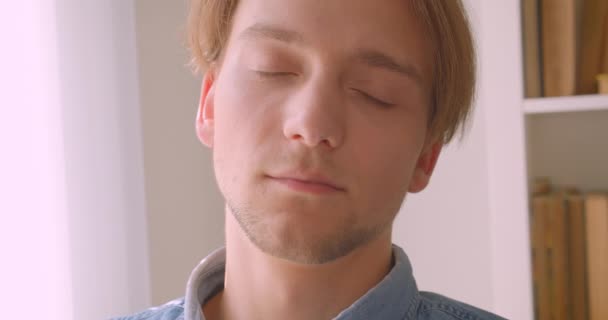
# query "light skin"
(317, 116)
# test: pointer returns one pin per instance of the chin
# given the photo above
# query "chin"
(297, 238)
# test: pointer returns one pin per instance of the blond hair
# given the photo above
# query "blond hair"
(445, 20)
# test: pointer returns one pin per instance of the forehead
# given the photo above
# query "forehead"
(340, 27)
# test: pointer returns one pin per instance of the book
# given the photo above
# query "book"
(559, 47)
(593, 38)
(557, 230)
(540, 276)
(556, 241)
(604, 69)
(532, 54)
(596, 206)
(577, 275)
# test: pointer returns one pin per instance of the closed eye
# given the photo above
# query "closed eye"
(373, 99)
(270, 74)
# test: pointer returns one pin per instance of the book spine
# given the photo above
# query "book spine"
(596, 206)
(540, 274)
(594, 16)
(604, 58)
(558, 46)
(558, 243)
(576, 251)
(532, 55)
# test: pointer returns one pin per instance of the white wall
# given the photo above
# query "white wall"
(101, 127)
(72, 219)
(184, 207)
(501, 95)
(33, 216)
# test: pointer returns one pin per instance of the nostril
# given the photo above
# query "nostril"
(312, 134)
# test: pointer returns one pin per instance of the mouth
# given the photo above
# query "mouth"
(308, 184)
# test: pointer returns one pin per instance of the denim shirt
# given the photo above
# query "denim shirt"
(396, 297)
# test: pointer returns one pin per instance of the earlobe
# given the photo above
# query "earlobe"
(205, 116)
(425, 167)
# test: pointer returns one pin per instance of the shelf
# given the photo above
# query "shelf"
(566, 104)
(569, 148)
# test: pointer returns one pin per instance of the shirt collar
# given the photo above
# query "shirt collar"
(395, 297)
(206, 279)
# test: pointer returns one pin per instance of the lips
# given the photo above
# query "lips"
(313, 182)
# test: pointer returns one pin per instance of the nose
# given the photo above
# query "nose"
(315, 116)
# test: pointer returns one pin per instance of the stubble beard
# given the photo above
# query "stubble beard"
(294, 247)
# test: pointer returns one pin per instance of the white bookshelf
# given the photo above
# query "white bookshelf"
(567, 141)
(566, 104)
(570, 148)
(563, 138)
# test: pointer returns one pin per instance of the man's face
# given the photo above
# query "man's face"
(317, 114)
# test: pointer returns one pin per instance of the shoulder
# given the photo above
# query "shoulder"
(173, 310)
(437, 307)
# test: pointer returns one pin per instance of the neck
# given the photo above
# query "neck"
(260, 286)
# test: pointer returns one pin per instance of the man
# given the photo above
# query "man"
(322, 115)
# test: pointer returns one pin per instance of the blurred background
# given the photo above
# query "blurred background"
(108, 200)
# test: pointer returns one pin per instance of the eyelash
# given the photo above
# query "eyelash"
(365, 95)
(267, 74)
(374, 100)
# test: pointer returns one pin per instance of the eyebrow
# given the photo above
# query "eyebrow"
(380, 60)
(370, 57)
(261, 30)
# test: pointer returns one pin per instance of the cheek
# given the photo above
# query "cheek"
(387, 164)
(244, 101)
(386, 157)
(231, 113)
(238, 109)
(245, 124)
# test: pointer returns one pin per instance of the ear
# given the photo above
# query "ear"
(205, 116)
(424, 167)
